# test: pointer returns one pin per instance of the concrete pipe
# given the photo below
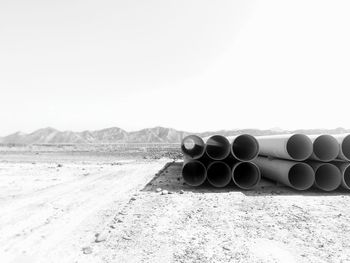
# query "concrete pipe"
(327, 176)
(299, 176)
(344, 145)
(345, 172)
(217, 147)
(325, 148)
(244, 147)
(194, 172)
(219, 174)
(246, 175)
(193, 146)
(297, 147)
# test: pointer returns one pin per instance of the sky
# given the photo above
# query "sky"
(194, 65)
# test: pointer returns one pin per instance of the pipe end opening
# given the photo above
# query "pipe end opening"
(246, 175)
(194, 173)
(193, 146)
(326, 148)
(345, 147)
(301, 176)
(327, 177)
(219, 174)
(189, 144)
(299, 147)
(347, 177)
(218, 147)
(245, 147)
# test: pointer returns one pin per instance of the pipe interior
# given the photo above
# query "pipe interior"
(301, 176)
(327, 177)
(347, 177)
(194, 173)
(245, 147)
(299, 147)
(326, 148)
(218, 147)
(246, 175)
(193, 146)
(189, 144)
(346, 147)
(219, 174)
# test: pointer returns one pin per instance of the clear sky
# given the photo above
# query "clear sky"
(192, 65)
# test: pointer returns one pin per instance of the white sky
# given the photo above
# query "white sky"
(193, 65)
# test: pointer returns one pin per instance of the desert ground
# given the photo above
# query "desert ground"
(63, 204)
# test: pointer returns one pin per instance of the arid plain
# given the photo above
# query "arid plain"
(130, 204)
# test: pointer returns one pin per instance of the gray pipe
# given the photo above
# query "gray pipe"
(193, 146)
(297, 147)
(217, 147)
(194, 172)
(327, 176)
(244, 147)
(219, 174)
(246, 175)
(325, 148)
(344, 146)
(345, 172)
(299, 176)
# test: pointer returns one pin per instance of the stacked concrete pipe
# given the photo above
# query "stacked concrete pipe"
(246, 175)
(325, 148)
(327, 176)
(194, 171)
(219, 174)
(344, 146)
(225, 160)
(193, 146)
(297, 175)
(217, 147)
(236, 166)
(296, 147)
(244, 148)
(345, 173)
(295, 160)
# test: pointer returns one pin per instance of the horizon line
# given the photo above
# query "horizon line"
(207, 131)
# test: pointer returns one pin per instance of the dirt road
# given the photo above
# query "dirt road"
(49, 210)
(52, 214)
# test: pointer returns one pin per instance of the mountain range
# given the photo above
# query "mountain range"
(151, 135)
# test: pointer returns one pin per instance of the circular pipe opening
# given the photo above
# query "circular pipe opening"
(193, 146)
(218, 147)
(194, 173)
(301, 176)
(299, 147)
(326, 148)
(245, 147)
(327, 177)
(246, 175)
(346, 177)
(219, 174)
(345, 147)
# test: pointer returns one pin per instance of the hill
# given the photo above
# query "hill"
(117, 135)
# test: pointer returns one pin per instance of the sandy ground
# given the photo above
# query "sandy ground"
(48, 210)
(53, 214)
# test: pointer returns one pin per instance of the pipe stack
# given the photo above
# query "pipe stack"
(219, 161)
(295, 160)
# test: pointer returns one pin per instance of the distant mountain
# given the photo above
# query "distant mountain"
(111, 135)
(151, 135)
